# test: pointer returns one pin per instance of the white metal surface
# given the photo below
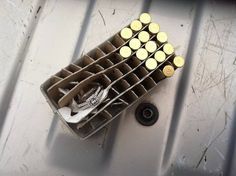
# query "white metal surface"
(192, 135)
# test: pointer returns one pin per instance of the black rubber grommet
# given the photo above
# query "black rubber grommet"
(146, 114)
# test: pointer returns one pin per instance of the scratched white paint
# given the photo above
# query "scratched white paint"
(220, 153)
(110, 16)
(208, 111)
(15, 16)
(29, 116)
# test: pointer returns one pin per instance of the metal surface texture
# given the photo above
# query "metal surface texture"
(195, 132)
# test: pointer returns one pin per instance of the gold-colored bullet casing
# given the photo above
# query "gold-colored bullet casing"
(134, 43)
(162, 37)
(178, 61)
(151, 64)
(160, 56)
(168, 49)
(145, 18)
(151, 46)
(168, 70)
(136, 25)
(125, 51)
(141, 54)
(126, 33)
(144, 36)
(154, 28)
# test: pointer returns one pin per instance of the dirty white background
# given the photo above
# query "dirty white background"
(193, 135)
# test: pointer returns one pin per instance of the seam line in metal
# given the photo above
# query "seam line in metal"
(18, 63)
(83, 31)
(182, 84)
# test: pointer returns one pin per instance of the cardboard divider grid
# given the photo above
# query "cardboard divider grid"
(128, 95)
(126, 80)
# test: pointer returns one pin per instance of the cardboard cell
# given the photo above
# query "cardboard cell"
(132, 78)
(107, 47)
(117, 41)
(96, 53)
(86, 60)
(148, 83)
(72, 68)
(141, 72)
(139, 90)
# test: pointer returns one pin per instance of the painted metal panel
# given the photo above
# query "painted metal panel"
(194, 134)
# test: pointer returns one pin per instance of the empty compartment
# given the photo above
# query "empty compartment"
(124, 68)
(105, 63)
(72, 68)
(63, 73)
(69, 72)
(129, 96)
(115, 58)
(94, 123)
(117, 41)
(96, 53)
(105, 81)
(53, 80)
(114, 74)
(84, 61)
(83, 75)
(148, 83)
(83, 130)
(107, 47)
(131, 78)
(99, 118)
(95, 68)
(139, 90)
(133, 62)
(112, 93)
(157, 75)
(141, 72)
(121, 85)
